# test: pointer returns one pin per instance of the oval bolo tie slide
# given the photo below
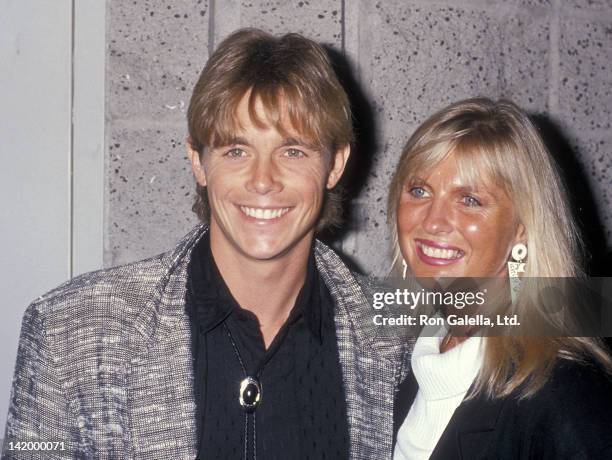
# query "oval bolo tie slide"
(250, 394)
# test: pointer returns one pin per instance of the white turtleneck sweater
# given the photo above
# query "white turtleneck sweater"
(444, 379)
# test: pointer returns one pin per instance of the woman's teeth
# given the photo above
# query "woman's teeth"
(266, 214)
(438, 253)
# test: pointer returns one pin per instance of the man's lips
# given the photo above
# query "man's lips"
(269, 213)
(437, 253)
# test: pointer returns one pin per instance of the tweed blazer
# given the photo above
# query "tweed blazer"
(104, 363)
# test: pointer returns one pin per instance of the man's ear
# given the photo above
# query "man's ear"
(338, 164)
(196, 164)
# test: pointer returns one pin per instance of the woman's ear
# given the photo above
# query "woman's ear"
(521, 235)
(196, 163)
(338, 164)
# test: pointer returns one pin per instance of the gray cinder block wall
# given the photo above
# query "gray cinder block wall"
(410, 58)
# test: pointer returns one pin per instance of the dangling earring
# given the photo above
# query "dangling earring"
(405, 269)
(519, 252)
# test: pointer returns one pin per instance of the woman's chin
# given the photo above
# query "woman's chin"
(422, 271)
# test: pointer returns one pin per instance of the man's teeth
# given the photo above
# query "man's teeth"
(259, 213)
(438, 253)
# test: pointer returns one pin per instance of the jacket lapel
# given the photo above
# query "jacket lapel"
(372, 365)
(403, 401)
(469, 429)
(161, 405)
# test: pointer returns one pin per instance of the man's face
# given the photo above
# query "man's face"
(265, 189)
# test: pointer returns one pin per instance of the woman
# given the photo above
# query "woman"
(474, 186)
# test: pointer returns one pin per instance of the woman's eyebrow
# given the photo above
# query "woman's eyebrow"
(468, 189)
(415, 181)
(476, 189)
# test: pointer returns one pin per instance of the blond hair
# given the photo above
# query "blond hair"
(498, 141)
(293, 78)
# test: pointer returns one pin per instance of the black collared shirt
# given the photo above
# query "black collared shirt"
(302, 412)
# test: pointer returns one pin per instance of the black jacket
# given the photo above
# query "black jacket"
(569, 418)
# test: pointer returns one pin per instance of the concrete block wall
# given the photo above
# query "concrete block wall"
(410, 58)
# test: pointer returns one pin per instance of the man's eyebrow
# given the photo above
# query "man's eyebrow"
(295, 141)
(237, 141)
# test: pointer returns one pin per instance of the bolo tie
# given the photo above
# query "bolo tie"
(250, 390)
(249, 395)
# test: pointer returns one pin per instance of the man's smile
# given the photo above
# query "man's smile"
(264, 213)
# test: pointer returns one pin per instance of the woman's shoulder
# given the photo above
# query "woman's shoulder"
(570, 416)
(573, 410)
(579, 381)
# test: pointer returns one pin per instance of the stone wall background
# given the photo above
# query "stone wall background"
(407, 59)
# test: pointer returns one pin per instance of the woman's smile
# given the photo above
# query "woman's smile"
(437, 253)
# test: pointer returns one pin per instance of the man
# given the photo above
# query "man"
(249, 339)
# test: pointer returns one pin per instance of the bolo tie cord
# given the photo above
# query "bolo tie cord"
(254, 381)
(246, 413)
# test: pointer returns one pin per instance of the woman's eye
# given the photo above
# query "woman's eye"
(294, 153)
(235, 153)
(417, 192)
(470, 201)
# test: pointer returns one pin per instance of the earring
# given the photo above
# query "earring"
(405, 269)
(519, 252)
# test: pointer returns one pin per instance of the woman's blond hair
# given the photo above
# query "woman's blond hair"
(498, 141)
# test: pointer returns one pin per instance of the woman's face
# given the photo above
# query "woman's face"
(448, 228)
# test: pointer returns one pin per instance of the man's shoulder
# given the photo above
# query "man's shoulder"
(106, 292)
(115, 290)
(371, 284)
(337, 272)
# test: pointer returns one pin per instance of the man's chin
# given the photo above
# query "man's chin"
(264, 253)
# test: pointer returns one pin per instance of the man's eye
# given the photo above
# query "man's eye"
(470, 201)
(417, 192)
(294, 153)
(235, 153)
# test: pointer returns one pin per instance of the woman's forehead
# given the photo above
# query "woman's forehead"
(464, 170)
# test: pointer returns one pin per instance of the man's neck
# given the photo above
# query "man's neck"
(267, 288)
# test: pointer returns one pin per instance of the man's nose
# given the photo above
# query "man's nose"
(437, 218)
(264, 177)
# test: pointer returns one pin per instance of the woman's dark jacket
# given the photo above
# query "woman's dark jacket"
(569, 418)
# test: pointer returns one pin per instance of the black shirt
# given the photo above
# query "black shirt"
(302, 412)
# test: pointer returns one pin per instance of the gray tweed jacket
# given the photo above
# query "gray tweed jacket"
(104, 363)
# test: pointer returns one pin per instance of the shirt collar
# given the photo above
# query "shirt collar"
(212, 301)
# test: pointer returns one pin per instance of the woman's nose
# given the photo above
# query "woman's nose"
(437, 218)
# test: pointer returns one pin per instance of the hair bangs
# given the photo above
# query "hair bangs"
(423, 160)
(482, 161)
(287, 110)
(283, 108)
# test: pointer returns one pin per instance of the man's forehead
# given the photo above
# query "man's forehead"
(261, 111)
(265, 113)
(244, 127)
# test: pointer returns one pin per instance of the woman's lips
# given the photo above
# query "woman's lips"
(435, 253)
